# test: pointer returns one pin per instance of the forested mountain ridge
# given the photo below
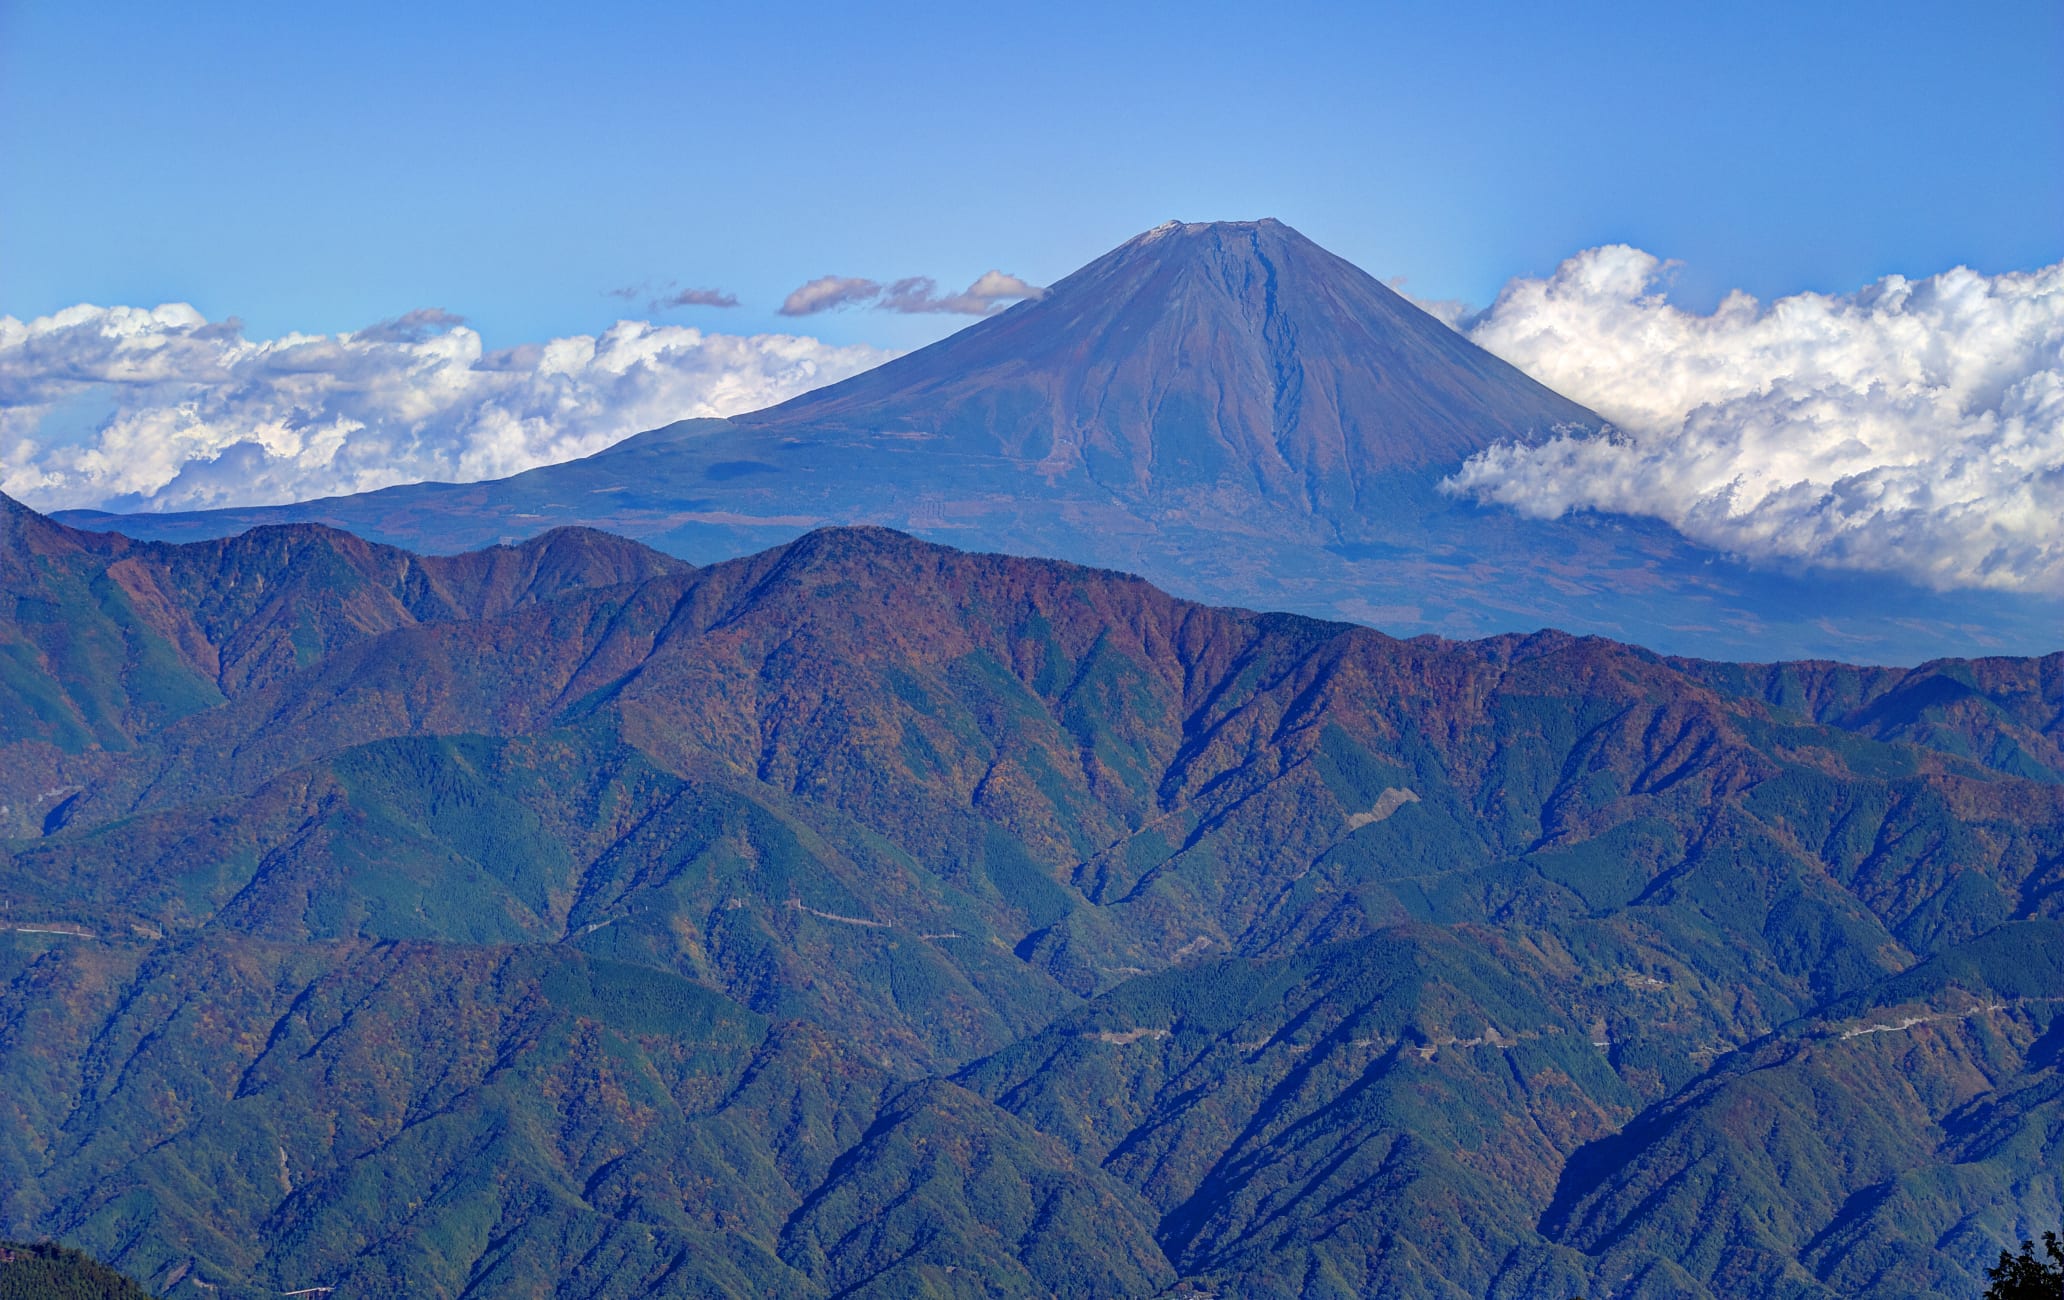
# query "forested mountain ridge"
(868, 917)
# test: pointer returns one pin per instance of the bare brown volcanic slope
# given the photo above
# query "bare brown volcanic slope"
(1225, 408)
(869, 918)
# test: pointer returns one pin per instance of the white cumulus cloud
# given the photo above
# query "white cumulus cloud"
(126, 408)
(1914, 427)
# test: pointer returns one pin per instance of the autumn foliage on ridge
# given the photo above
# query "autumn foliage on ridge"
(866, 917)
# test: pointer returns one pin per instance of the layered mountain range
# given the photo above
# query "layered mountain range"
(864, 917)
(1225, 408)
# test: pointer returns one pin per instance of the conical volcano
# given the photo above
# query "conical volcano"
(1231, 355)
(1225, 408)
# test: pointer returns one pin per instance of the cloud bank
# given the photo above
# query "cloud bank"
(919, 293)
(132, 409)
(1914, 427)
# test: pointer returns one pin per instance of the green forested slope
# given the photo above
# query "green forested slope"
(869, 918)
(48, 1272)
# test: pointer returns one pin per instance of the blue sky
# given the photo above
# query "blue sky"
(320, 168)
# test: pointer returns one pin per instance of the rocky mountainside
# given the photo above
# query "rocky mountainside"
(864, 917)
(1225, 408)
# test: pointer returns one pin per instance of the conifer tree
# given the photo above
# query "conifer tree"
(2025, 1277)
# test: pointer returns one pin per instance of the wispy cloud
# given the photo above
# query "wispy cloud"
(668, 296)
(409, 327)
(157, 409)
(916, 294)
(989, 292)
(695, 298)
(828, 292)
(1915, 426)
